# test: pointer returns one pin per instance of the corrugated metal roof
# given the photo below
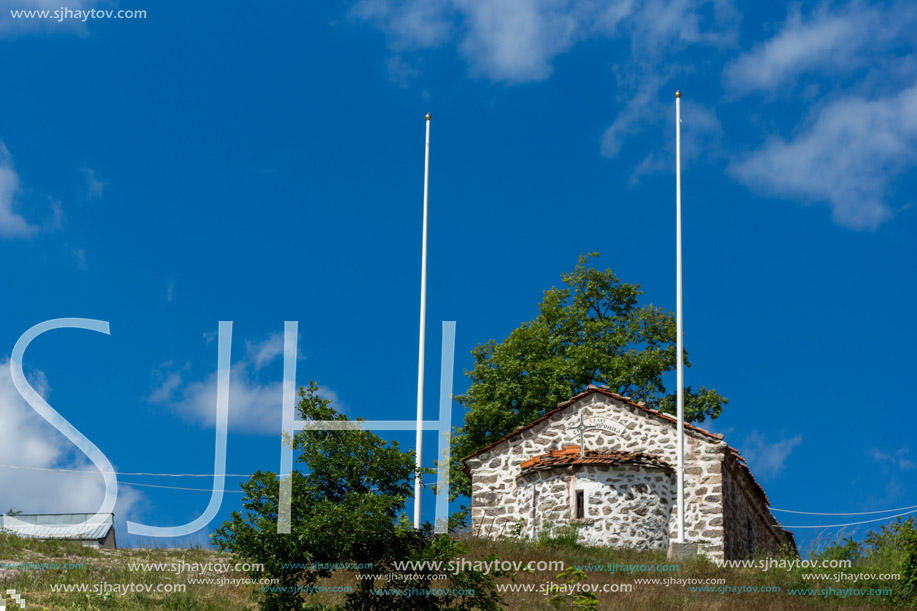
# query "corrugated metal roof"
(58, 526)
(60, 532)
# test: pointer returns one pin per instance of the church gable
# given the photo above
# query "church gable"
(605, 464)
(600, 420)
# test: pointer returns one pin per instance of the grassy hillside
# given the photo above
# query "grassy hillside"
(100, 572)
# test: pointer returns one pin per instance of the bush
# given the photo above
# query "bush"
(346, 511)
(909, 562)
(890, 549)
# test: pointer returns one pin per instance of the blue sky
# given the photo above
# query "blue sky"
(265, 164)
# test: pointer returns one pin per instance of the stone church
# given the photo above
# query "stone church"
(620, 490)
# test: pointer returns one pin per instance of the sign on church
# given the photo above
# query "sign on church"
(603, 424)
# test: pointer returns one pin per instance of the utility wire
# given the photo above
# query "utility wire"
(73, 473)
(851, 523)
(94, 474)
(175, 487)
(846, 513)
(97, 472)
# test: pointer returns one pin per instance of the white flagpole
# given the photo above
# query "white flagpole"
(679, 324)
(418, 483)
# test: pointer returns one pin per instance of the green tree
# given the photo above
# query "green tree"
(909, 560)
(886, 557)
(347, 509)
(592, 330)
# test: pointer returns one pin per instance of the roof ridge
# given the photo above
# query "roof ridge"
(592, 388)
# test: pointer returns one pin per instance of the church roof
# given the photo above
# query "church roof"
(591, 389)
(743, 466)
(80, 526)
(570, 455)
(603, 391)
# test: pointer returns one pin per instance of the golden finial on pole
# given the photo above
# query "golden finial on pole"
(429, 117)
(677, 95)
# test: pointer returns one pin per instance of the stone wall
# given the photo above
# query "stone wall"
(747, 520)
(501, 496)
(627, 505)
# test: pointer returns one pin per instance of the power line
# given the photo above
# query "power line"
(78, 473)
(846, 513)
(97, 472)
(851, 523)
(175, 487)
(75, 473)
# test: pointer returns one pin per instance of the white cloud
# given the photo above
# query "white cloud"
(512, 42)
(659, 27)
(892, 492)
(516, 42)
(766, 460)
(896, 459)
(254, 406)
(409, 24)
(503, 40)
(27, 439)
(56, 222)
(701, 133)
(642, 104)
(891, 463)
(651, 164)
(401, 71)
(847, 157)
(167, 382)
(12, 224)
(659, 30)
(80, 255)
(94, 187)
(264, 352)
(825, 41)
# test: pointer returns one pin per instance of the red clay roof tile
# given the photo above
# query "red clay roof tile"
(740, 460)
(570, 456)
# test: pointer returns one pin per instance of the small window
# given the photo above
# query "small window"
(580, 505)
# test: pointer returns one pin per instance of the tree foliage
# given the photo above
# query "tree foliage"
(592, 330)
(347, 509)
(886, 552)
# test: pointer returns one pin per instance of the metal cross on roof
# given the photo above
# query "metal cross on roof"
(595, 424)
(582, 428)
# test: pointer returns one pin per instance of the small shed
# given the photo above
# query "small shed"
(63, 526)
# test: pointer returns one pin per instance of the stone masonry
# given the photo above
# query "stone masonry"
(527, 482)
